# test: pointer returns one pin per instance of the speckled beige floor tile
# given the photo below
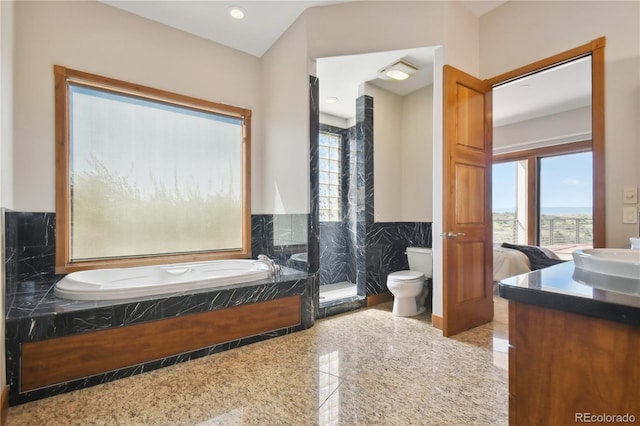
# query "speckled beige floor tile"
(361, 368)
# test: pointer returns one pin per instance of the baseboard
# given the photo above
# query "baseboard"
(4, 405)
(436, 320)
(376, 299)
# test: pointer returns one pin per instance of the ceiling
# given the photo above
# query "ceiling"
(263, 24)
(340, 77)
(561, 88)
(265, 21)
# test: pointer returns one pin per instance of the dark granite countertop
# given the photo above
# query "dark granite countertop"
(564, 288)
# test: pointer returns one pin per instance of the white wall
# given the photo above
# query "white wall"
(521, 32)
(332, 120)
(417, 156)
(564, 127)
(387, 154)
(100, 39)
(461, 38)
(6, 105)
(461, 46)
(374, 26)
(402, 155)
(6, 94)
(285, 153)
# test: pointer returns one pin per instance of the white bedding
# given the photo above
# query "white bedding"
(509, 262)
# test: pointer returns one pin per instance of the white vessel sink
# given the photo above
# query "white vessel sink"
(624, 263)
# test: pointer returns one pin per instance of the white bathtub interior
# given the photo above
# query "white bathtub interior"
(124, 283)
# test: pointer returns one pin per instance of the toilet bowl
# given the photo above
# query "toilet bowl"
(406, 286)
(409, 287)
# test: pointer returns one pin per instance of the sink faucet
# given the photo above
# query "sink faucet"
(274, 268)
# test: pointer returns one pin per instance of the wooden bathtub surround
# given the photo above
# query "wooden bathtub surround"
(62, 359)
(561, 364)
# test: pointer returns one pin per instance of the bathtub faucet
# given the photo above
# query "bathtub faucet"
(274, 268)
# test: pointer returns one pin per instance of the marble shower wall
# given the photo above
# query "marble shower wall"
(337, 248)
(358, 248)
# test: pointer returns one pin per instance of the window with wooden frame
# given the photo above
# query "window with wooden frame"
(145, 176)
(543, 212)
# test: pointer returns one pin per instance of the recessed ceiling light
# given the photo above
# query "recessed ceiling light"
(400, 70)
(237, 12)
(331, 100)
(396, 74)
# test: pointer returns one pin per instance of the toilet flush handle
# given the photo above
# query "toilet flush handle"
(452, 234)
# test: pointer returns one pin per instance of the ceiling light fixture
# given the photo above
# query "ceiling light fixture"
(237, 12)
(331, 100)
(400, 70)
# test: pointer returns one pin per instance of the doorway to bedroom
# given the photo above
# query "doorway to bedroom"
(543, 178)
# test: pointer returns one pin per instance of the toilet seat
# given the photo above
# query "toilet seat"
(404, 276)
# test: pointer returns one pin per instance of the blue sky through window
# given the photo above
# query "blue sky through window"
(566, 184)
(566, 181)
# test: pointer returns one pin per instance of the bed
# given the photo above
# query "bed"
(508, 262)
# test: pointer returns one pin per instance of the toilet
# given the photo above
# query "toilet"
(409, 288)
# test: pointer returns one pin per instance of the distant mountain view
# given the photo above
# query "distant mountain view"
(551, 210)
(558, 226)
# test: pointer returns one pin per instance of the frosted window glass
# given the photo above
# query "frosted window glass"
(329, 176)
(149, 178)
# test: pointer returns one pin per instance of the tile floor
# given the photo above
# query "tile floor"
(365, 367)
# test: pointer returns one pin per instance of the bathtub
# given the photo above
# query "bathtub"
(125, 283)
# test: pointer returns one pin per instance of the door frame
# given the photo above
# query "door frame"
(595, 49)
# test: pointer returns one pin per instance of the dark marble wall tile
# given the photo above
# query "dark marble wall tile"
(10, 250)
(314, 178)
(337, 249)
(281, 237)
(359, 249)
(334, 253)
(313, 249)
(386, 246)
(261, 235)
(30, 247)
(364, 140)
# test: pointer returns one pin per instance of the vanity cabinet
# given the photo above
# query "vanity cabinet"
(565, 367)
(574, 350)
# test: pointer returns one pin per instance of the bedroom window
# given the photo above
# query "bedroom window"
(510, 202)
(544, 197)
(566, 200)
(330, 155)
(146, 176)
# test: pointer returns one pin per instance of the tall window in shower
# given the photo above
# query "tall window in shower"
(145, 176)
(330, 154)
(337, 267)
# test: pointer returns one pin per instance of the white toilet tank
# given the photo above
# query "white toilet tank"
(420, 260)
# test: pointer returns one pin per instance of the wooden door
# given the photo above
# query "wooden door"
(467, 221)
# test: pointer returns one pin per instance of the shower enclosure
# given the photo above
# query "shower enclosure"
(339, 206)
